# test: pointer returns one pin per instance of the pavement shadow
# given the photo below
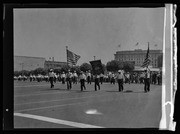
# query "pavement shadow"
(130, 91)
(59, 89)
(83, 91)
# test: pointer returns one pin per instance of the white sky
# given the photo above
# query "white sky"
(88, 32)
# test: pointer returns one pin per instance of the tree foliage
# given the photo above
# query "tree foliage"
(114, 65)
(85, 67)
(128, 67)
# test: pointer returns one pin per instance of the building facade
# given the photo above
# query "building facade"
(28, 63)
(138, 56)
(31, 63)
(54, 64)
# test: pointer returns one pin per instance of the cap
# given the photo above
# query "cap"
(51, 69)
(119, 71)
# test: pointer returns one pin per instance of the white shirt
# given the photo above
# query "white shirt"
(147, 74)
(51, 74)
(82, 76)
(120, 76)
(63, 75)
(75, 74)
(88, 74)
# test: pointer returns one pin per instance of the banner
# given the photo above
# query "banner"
(97, 67)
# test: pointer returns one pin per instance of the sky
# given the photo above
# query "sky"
(88, 32)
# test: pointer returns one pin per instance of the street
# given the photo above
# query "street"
(36, 105)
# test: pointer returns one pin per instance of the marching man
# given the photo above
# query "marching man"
(82, 78)
(147, 80)
(120, 79)
(51, 77)
(69, 79)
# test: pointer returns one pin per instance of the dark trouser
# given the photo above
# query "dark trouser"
(69, 84)
(146, 84)
(30, 79)
(51, 81)
(101, 80)
(82, 82)
(158, 81)
(112, 81)
(120, 84)
(63, 80)
(97, 84)
(89, 79)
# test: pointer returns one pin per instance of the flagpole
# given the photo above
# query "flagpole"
(148, 49)
(67, 54)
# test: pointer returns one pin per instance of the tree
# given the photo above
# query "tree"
(65, 68)
(128, 66)
(104, 67)
(57, 70)
(114, 65)
(85, 67)
(75, 68)
(39, 71)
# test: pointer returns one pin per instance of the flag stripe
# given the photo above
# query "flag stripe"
(147, 59)
(72, 58)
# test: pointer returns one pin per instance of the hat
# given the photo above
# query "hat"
(119, 71)
(51, 69)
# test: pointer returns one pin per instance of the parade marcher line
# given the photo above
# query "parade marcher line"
(54, 106)
(59, 100)
(57, 121)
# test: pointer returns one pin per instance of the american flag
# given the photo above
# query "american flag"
(147, 59)
(72, 58)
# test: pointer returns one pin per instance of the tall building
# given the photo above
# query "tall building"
(28, 63)
(138, 56)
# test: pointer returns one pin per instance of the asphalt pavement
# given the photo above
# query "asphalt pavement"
(36, 105)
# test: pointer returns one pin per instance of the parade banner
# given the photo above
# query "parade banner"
(97, 67)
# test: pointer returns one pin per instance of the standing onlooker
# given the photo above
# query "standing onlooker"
(112, 78)
(101, 78)
(120, 79)
(82, 78)
(89, 77)
(96, 81)
(51, 77)
(63, 77)
(158, 78)
(75, 76)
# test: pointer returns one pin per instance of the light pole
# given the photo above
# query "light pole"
(94, 57)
